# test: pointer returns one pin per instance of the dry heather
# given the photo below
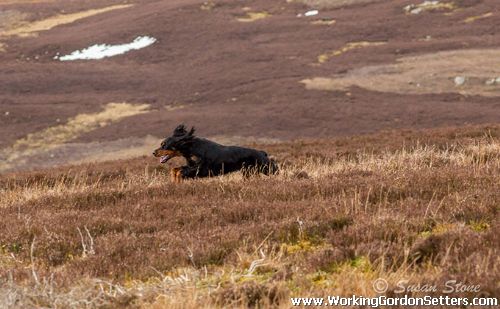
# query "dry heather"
(416, 206)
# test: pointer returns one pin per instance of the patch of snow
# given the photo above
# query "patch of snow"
(459, 80)
(416, 11)
(100, 51)
(490, 81)
(418, 8)
(311, 13)
(493, 81)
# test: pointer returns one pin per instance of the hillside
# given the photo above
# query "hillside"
(408, 205)
(245, 71)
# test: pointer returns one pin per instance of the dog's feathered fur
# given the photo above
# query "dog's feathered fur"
(206, 158)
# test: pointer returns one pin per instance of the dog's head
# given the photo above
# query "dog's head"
(175, 145)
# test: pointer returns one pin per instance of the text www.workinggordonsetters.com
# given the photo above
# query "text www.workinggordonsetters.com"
(378, 301)
(381, 285)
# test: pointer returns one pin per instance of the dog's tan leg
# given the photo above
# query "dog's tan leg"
(176, 174)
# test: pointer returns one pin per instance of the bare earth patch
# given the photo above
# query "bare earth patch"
(108, 151)
(30, 29)
(430, 73)
(39, 143)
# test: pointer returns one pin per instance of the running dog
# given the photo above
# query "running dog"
(206, 158)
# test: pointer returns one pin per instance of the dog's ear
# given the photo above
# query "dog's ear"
(180, 130)
(191, 132)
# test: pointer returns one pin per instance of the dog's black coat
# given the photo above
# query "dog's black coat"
(206, 158)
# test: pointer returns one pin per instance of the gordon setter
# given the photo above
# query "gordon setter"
(206, 158)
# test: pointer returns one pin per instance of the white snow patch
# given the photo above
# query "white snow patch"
(427, 5)
(459, 80)
(311, 13)
(99, 51)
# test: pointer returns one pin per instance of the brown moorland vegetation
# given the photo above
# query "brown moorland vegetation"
(398, 205)
(365, 66)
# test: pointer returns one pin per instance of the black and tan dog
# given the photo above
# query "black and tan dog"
(206, 158)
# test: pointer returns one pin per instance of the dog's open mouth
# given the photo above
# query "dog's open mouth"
(165, 154)
(164, 159)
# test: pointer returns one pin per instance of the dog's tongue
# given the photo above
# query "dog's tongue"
(164, 159)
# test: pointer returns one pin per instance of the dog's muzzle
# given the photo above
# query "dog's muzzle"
(165, 155)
